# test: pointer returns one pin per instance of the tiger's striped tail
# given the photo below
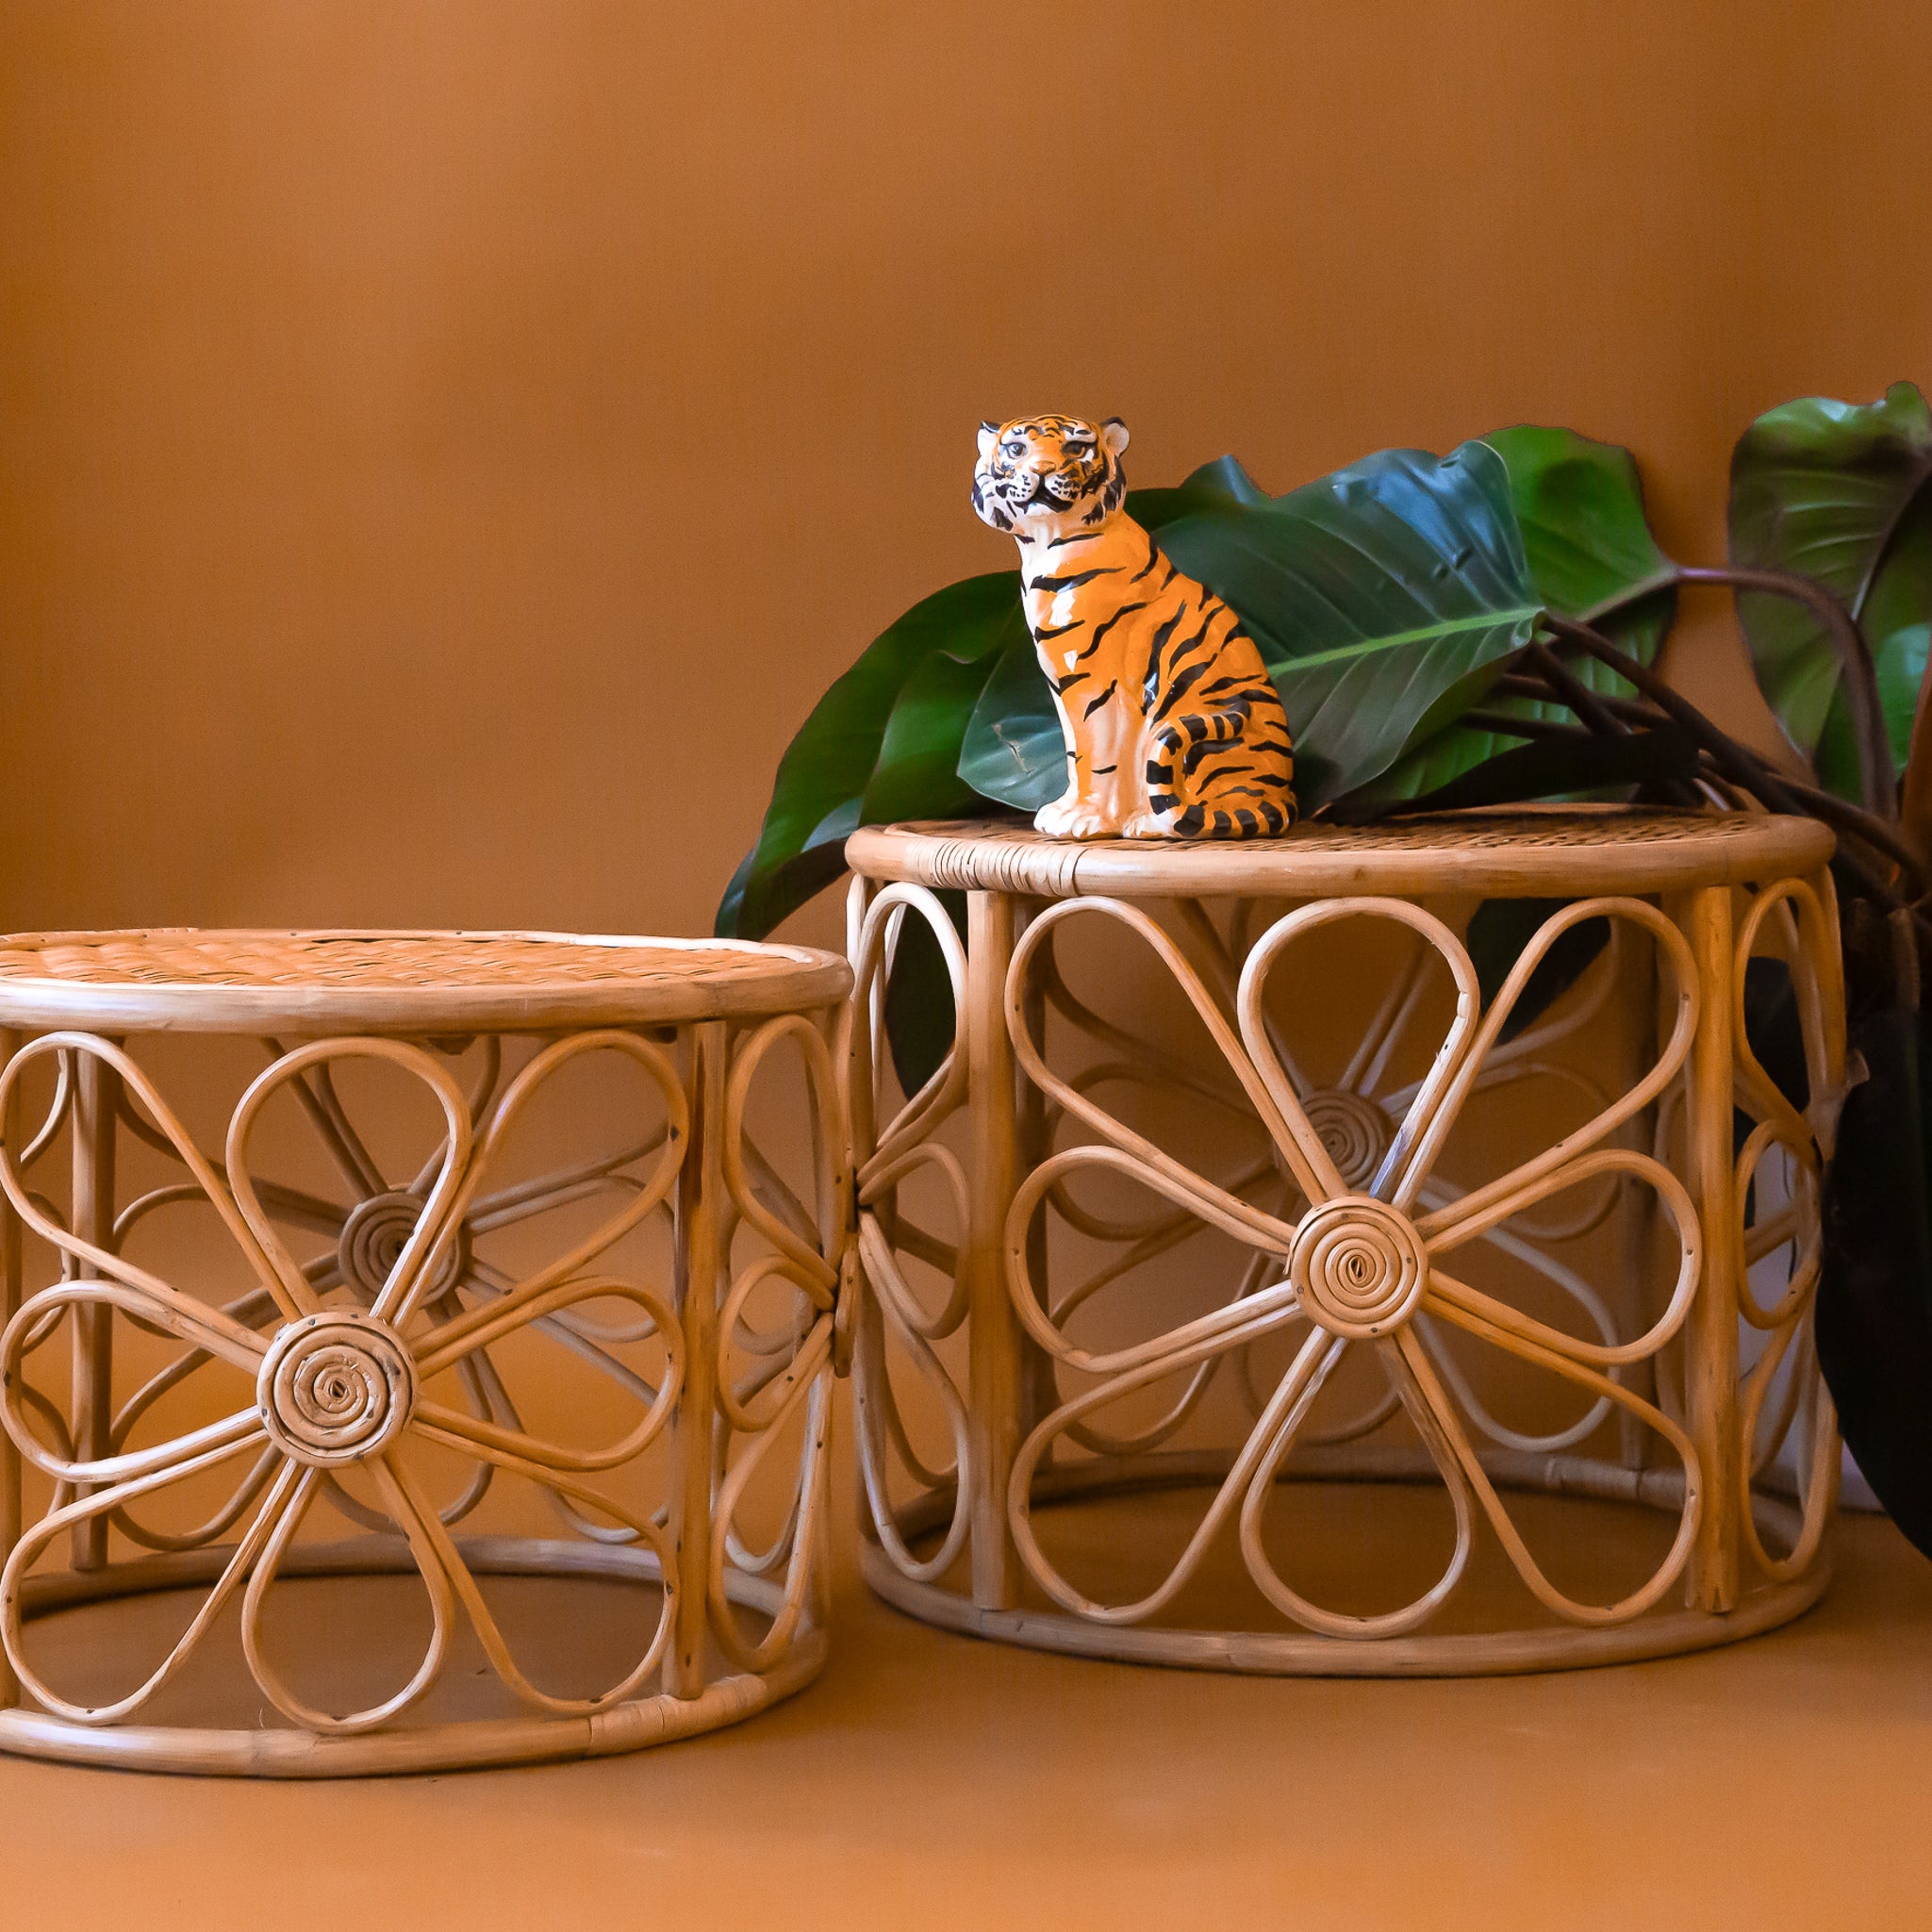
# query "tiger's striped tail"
(1175, 751)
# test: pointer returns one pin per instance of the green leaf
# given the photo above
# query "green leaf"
(1580, 505)
(916, 773)
(1592, 556)
(1223, 481)
(1015, 750)
(1386, 598)
(884, 741)
(1840, 492)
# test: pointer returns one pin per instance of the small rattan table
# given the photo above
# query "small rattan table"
(486, 1215)
(1559, 1315)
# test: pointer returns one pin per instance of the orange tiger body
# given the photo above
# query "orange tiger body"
(1173, 728)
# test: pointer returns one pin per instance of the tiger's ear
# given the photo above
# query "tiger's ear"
(1113, 434)
(990, 435)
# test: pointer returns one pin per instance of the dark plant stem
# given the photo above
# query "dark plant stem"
(1730, 757)
(1742, 767)
(1836, 812)
(1915, 788)
(1518, 684)
(1569, 689)
(1878, 781)
(1883, 838)
(1504, 725)
(1844, 816)
(1572, 690)
(1905, 961)
(1723, 750)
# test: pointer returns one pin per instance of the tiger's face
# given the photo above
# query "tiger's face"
(1048, 476)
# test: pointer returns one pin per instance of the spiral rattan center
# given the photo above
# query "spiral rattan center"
(1359, 1265)
(375, 1236)
(1355, 1131)
(335, 1387)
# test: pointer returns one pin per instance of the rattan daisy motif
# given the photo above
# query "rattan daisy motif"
(340, 1352)
(1362, 1244)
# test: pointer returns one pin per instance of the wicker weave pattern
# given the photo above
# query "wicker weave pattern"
(181, 979)
(1524, 852)
(428, 961)
(1571, 830)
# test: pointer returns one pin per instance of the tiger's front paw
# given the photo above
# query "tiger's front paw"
(1071, 818)
(1146, 825)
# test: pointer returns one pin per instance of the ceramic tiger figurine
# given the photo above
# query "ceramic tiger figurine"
(1173, 727)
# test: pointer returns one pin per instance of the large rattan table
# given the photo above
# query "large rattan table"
(470, 1229)
(1191, 1221)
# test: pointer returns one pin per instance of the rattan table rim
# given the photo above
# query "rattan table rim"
(1521, 852)
(208, 979)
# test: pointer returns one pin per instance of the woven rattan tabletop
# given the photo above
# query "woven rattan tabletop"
(1524, 851)
(187, 979)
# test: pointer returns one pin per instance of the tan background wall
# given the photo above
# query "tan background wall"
(447, 447)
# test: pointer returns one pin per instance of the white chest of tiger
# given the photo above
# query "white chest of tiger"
(1173, 728)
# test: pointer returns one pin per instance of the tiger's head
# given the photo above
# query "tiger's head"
(1048, 476)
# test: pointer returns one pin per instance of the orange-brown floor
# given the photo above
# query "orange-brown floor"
(930, 1781)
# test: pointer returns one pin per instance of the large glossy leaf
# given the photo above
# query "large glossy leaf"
(1840, 492)
(1591, 554)
(1223, 481)
(1579, 505)
(883, 742)
(1015, 750)
(1384, 598)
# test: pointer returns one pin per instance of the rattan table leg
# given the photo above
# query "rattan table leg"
(1711, 1380)
(1038, 1389)
(994, 1369)
(96, 1100)
(701, 1201)
(1643, 1029)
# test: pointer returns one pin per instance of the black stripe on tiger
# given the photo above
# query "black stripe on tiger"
(1101, 629)
(1268, 820)
(1155, 649)
(1073, 580)
(1181, 683)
